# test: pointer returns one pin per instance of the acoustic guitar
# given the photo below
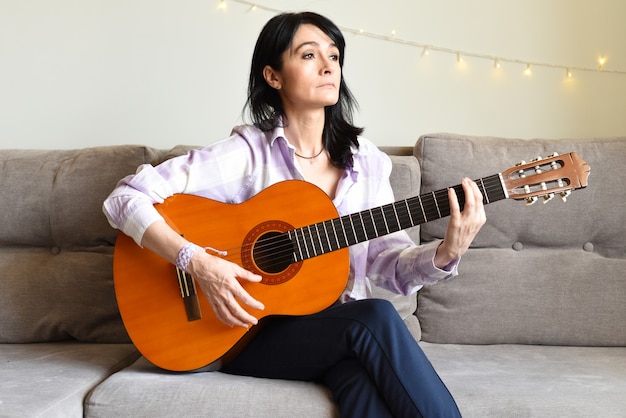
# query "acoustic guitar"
(292, 236)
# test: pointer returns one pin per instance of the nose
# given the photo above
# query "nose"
(328, 65)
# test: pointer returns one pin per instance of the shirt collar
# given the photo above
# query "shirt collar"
(279, 133)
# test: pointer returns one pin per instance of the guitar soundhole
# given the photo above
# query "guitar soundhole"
(268, 251)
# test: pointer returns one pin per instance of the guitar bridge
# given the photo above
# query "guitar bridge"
(189, 294)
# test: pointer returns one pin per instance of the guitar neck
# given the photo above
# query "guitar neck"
(331, 235)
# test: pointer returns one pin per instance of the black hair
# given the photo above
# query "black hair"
(264, 102)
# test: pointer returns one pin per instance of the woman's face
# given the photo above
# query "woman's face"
(311, 74)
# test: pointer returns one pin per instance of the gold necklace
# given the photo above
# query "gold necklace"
(310, 158)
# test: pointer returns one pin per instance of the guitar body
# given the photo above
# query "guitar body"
(149, 294)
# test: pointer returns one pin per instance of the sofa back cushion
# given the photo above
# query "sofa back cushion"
(55, 243)
(540, 274)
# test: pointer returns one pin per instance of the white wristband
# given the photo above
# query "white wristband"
(185, 254)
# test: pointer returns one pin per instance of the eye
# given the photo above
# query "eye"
(308, 56)
(334, 57)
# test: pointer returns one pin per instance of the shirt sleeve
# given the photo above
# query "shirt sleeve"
(395, 262)
(130, 207)
(219, 172)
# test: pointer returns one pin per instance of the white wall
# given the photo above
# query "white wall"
(77, 73)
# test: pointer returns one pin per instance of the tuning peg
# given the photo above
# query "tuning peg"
(564, 194)
(548, 197)
(521, 173)
(531, 200)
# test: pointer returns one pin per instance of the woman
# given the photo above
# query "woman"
(301, 108)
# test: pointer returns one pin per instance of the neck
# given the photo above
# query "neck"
(305, 133)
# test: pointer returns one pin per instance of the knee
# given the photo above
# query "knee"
(379, 307)
(378, 311)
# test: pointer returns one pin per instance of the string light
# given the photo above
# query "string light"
(528, 71)
(426, 49)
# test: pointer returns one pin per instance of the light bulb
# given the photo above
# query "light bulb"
(601, 62)
(496, 63)
(459, 58)
(568, 73)
(528, 71)
(222, 5)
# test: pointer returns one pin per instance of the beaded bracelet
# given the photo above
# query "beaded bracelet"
(185, 254)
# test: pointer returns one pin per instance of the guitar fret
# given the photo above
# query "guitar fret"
(395, 217)
(408, 210)
(335, 234)
(484, 192)
(312, 241)
(419, 198)
(358, 228)
(318, 240)
(364, 226)
(391, 216)
(306, 243)
(436, 204)
(376, 215)
(350, 227)
(330, 246)
(343, 235)
(373, 223)
(444, 207)
(386, 218)
(398, 218)
(323, 234)
(302, 241)
(297, 253)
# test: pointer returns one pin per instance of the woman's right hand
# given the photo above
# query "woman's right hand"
(219, 280)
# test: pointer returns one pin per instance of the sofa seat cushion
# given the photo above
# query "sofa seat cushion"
(144, 390)
(532, 381)
(540, 274)
(53, 379)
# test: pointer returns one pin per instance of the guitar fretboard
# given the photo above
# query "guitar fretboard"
(334, 234)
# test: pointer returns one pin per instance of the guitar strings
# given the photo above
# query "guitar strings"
(266, 248)
(430, 207)
(437, 207)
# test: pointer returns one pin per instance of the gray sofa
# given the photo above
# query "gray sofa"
(534, 325)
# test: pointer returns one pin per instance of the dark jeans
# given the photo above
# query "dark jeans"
(361, 350)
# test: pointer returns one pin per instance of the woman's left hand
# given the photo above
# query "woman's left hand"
(463, 226)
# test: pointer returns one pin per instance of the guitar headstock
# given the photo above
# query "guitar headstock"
(546, 177)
